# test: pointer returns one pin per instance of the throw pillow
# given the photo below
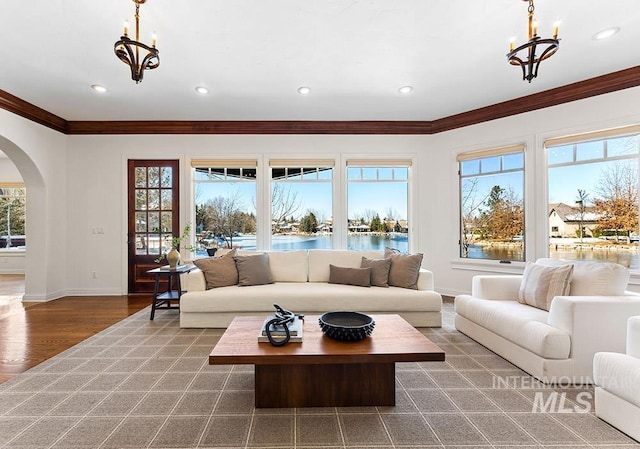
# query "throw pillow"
(541, 284)
(219, 271)
(405, 268)
(379, 270)
(350, 276)
(253, 270)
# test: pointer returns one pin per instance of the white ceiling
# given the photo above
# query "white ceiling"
(254, 54)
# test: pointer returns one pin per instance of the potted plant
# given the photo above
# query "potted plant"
(173, 255)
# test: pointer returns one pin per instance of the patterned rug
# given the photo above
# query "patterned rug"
(147, 384)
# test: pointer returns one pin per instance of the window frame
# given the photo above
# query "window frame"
(301, 164)
(492, 265)
(381, 164)
(16, 186)
(574, 139)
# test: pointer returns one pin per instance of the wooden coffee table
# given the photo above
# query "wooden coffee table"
(321, 372)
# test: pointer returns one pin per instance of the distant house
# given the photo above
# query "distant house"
(565, 220)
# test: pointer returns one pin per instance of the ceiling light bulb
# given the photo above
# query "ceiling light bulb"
(304, 90)
(606, 33)
(202, 90)
(405, 89)
(99, 88)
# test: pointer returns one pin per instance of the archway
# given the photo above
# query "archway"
(35, 266)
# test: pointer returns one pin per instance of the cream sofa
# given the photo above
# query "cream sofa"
(555, 346)
(301, 285)
(617, 378)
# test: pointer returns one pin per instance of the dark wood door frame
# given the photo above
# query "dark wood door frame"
(153, 213)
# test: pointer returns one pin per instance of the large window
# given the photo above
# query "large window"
(378, 205)
(12, 216)
(301, 205)
(593, 197)
(492, 204)
(225, 205)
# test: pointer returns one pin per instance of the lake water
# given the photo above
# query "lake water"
(627, 258)
(325, 241)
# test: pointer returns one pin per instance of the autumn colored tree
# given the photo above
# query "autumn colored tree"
(617, 204)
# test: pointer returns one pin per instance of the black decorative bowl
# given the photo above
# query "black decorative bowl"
(346, 326)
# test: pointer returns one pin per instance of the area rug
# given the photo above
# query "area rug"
(147, 384)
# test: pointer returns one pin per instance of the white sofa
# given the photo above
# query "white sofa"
(555, 346)
(301, 285)
(617, 378)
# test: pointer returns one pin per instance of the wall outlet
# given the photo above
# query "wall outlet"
(93, 275)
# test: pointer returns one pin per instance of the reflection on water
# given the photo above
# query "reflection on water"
(496, 253)
(323, 241)
(629, 258)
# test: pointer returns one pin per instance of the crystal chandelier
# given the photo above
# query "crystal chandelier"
(138, 56)
(530, 54)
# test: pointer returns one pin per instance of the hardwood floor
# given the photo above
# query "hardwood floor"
(31, 333)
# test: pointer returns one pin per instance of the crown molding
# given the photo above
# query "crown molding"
(592, 87)
(250, 127)
(32, 112)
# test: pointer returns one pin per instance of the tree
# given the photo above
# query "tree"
(617, 205)
(284, 202)
(376, 224)
(504, 217)
(222, 216)
(581, 203)
(472, 219)
(309, 223)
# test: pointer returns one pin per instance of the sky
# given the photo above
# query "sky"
(317, 197)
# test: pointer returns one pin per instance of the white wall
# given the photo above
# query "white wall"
(39, 153)
(8, 171)
(78, 183)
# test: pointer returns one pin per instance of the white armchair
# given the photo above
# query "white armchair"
(617, 379)
(555, 346)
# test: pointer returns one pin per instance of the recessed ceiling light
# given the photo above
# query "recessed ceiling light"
(606, 33)
(99, 88)
(405, 89)
(202, 90)
(304, 90)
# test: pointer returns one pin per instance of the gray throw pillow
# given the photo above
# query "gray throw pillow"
(350, 276)
(253, 270)
(219, 271)
(405, 269)
(379, 270)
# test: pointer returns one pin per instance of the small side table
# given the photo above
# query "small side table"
(163, 300)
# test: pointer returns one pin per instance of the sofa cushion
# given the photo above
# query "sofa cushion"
(519, 323)
(350, 276)
(289, 266)
(619, 374)
(593, 278)
(219, 271)
(540, 284)
(311, 297)
(253, 270)
(404, 268)
(320, 259)
(379, 270)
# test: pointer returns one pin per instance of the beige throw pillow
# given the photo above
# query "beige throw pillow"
(379, 270)
(541, 284)
(350, 276)
(405, 268)
(253, 270)
(219, 271)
